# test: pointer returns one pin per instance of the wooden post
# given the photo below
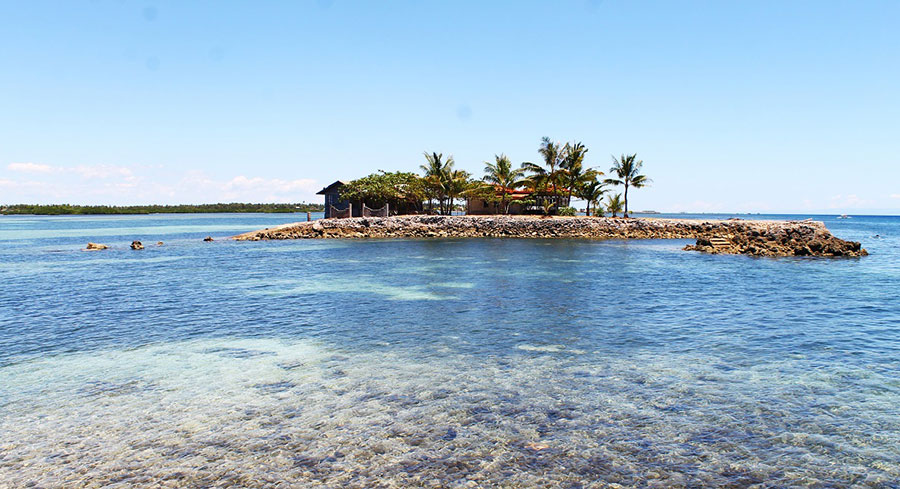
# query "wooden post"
(308, 216)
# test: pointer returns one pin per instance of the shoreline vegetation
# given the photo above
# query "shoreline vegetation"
(546, 186)
(730, 236)
(233, 207)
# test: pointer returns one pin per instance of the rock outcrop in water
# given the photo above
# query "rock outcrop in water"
(762, 238)
(779, 241)
(137, 245)
(95, 247)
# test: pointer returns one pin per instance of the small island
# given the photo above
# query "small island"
(534, 201)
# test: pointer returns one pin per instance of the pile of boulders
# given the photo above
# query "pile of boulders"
(479, 227)
(798, 240)
(769, 238)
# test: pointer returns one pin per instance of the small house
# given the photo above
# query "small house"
(334, 205)
(338, 207)
(521, 201)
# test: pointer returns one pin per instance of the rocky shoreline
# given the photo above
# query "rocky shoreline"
(733, 236)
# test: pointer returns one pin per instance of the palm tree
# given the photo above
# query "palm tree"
(541, 178)
(627, 169)
(591, 192)
(457, 182)
(614, 204)
(552, 154)
(572, 171)
(437, 172)
(503, 177)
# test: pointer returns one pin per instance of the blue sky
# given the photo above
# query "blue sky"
(733, 106)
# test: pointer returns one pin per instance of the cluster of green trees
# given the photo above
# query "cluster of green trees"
(443, 183)
(401, 191)
(553, 182)
(63, 209)
(561, 175)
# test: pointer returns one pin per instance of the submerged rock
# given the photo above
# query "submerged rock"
(95, 247)
(763, 238)
(137, 245)
(208, 238)
(450, 435)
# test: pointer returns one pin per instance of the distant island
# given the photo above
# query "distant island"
(66, 209)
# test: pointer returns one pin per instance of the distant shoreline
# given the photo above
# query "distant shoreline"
(239, 208)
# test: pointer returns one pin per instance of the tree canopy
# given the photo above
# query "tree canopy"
(381, 188)
(501, 177)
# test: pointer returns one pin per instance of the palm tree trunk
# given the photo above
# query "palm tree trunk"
(626, 201)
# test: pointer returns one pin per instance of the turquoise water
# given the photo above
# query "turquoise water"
(440, 363)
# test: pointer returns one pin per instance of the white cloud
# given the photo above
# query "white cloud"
(695, 206)
(849, 201)
(754, 206)
(115, 184)
(242, 188)
(102, 171)
(21, 184)
(30, 167)
(242, 182)
(85, 171)
(895, 196)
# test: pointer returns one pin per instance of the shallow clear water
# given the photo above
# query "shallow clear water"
(484, 362)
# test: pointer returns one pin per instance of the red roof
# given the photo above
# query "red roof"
(520, 193)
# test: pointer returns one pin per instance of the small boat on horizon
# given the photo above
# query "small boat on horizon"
(843, 216)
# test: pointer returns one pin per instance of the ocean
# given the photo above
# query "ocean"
(440, 362)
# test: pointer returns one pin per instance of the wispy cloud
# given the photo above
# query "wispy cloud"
(117, 184)
(102, 171)
(242, 182)
(695, 206)
(849, 201)
(895, 196)
(245, 188)
(754, 206)
(85, 171)
(29, 167)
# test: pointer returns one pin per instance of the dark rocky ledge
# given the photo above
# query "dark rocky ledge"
(733, 236)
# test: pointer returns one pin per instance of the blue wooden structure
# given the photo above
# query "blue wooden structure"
(333, 198)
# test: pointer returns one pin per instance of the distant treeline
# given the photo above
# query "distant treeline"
(62, 209)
